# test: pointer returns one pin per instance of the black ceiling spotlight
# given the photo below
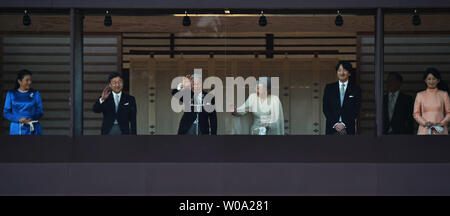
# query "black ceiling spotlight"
(26, 19)
(108, 19)
(262, 20)
(186, 20)
(339, 21)
(416, 18)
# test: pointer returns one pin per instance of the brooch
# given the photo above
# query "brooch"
(31, 95)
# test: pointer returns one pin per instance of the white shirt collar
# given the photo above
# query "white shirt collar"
(345, 83)
(395, 93)
(199, 95)
(119, 94)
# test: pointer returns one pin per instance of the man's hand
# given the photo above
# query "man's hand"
(343, 132)
(339, 127)
(186, 81)
(106, 92)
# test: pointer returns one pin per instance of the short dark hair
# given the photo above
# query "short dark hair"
(346, 65)
(20, 75)
(432, 71)
(114, 75)
(397, 76)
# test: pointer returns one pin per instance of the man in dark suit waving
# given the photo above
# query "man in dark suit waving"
(201, 117)
(118, 108)
(397, 108)
(341, 102)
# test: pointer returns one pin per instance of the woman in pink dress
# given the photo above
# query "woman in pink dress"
(432, 106)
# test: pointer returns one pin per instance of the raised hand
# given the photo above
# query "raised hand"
(106, 92)
(186, 81)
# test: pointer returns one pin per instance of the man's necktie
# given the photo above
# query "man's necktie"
(116, 102)
(391, 106)
(196, 106)
(342, 93)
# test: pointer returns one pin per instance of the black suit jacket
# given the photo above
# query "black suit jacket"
(402, 121)
(332, 106)
(126, 113)
(207, 120)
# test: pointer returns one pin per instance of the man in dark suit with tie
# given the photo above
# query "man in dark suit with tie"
(397, 108)
(201, 118)
(341, 102)
(118, 108)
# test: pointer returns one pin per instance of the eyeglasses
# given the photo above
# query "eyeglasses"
(116, 83)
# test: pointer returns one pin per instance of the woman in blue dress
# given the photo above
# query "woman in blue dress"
(23, 107)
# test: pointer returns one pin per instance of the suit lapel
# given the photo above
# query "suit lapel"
(386, 108)
(110, 102)
(348, 91)
(122, 99)
(194, 98)
(397, 102)
(192, 101)
(203, 100)
(338, 95)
